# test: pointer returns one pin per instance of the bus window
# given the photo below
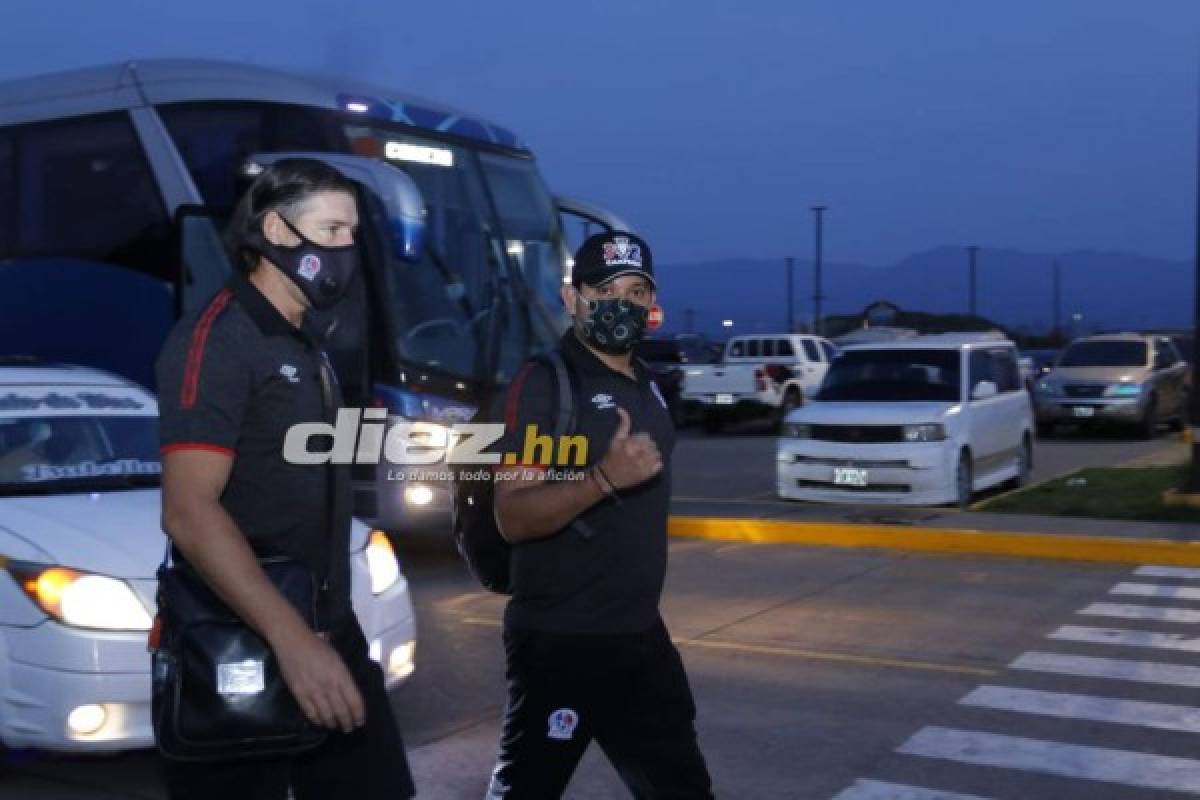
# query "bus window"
(215, 139)
(529, 222)
(84, 190)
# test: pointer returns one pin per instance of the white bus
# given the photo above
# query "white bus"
(115, 179)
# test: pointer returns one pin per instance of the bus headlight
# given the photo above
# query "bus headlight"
(924, 433)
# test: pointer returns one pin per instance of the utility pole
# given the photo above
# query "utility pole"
(791, 310)
(1056, 331)
(819, 211)
(971, 307)
(1193, 481)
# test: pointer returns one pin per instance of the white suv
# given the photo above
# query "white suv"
(923, 421)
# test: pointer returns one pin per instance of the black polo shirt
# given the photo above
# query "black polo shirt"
(233, 378)
(612, 581)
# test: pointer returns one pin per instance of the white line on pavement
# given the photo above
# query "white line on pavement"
(1151, 613)
(1190, 573)
(1114, 668)
(1056, 758)
(878, 790)
(1162, 641)
(1161, 716)
(1156, 590)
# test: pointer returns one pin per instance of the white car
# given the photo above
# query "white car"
(80, 542)
(923, 421)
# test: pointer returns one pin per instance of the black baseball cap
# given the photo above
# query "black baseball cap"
(608, 255)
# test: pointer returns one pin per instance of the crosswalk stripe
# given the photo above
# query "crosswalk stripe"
(1114, 668)
(1190, 573)
(1151, 613)
(878, 790)
(1161, 716)
(1161, 641)
(1157, 590)
(1056, 758)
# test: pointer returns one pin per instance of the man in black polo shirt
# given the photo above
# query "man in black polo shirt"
(588, 654)
(232, 380)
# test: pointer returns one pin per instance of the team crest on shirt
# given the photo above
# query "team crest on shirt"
(621, 252)
(562, 724)
(310, 265)
(603, 401)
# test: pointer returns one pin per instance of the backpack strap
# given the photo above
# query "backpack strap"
(566, 417)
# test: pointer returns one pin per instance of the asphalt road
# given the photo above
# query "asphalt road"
(813, 668)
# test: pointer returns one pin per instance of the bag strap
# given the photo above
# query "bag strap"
(329, 413)
(567, 389)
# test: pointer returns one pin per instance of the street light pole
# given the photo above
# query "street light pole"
(971, 308)
(791, 311)
(1056, 331)
(819, 211)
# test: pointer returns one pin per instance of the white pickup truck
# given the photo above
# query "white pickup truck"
(760, 375)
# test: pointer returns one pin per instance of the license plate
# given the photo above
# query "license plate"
(724, 399)
(849, 476)
(1084, 411)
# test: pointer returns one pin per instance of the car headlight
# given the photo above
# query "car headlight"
(1123, 390)
(1049, 389)
(794, 430)
(924, 433)
(82, 599)
(381, 562)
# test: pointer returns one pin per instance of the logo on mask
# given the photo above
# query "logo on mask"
(562, 724)
(621, 252)
(310, 267)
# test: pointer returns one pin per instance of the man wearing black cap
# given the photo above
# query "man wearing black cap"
(587, 652)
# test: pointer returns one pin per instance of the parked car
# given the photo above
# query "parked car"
(80, 541)
(923, 421)
(667, 358)
(765, 375)
(1131, 379)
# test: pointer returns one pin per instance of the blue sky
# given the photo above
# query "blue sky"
(1043, 125)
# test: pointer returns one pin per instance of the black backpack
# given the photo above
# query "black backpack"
(473, 519)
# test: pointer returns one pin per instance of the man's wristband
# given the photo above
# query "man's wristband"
(611, 491)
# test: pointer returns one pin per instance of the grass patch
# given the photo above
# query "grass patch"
(1108, 494)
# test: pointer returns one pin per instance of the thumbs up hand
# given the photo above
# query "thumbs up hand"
(632, 458)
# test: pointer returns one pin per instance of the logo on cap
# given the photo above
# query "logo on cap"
(310, 265)
(621, 252)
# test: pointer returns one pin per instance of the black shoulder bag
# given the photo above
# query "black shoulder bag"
(218, 693)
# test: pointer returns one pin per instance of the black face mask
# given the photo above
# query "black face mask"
(612, 324)
(323, 273)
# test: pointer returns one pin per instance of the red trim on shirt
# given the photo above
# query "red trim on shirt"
(191, 373)
(212, 448)
(514, 395)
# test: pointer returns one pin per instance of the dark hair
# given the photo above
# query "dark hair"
(282, 187)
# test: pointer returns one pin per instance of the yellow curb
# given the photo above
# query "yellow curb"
(940, 540)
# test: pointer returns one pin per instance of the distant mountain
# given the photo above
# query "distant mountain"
(1109, 290)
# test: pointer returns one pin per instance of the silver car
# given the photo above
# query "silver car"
(1131, 379)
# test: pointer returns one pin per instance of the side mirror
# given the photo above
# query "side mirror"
(983, 390)
(393, 187)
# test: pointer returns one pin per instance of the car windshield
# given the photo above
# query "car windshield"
(1110, 353)
(885, 376)
(77, 453)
